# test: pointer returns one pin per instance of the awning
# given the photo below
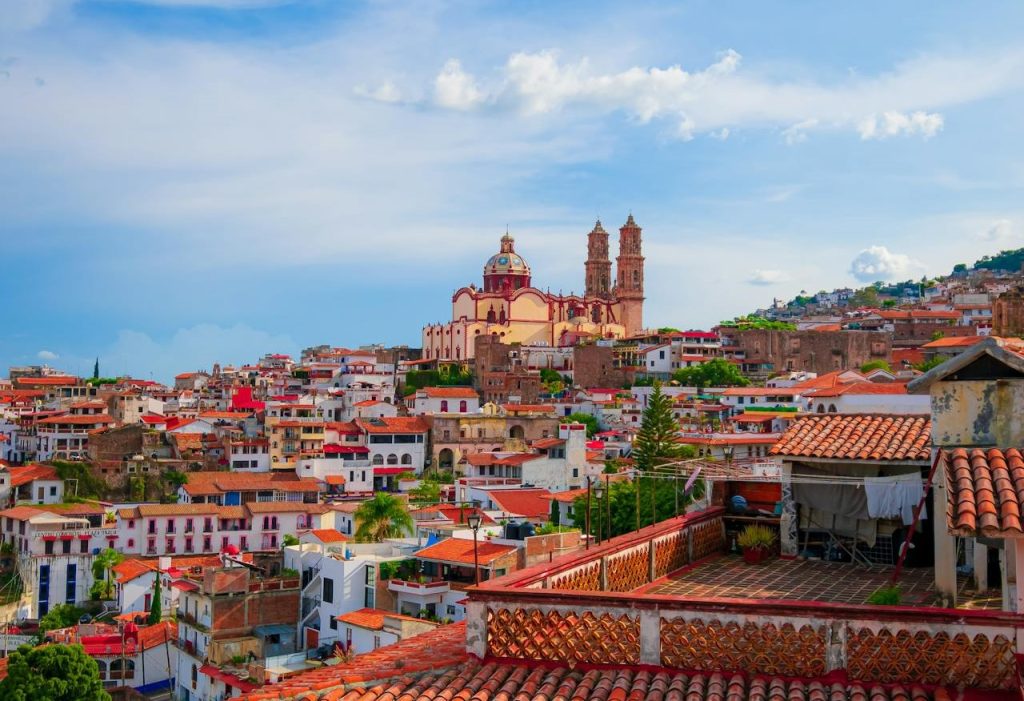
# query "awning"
(749, 418)
(379, 471)
(334, 479)
(335, 449)
(229, 679)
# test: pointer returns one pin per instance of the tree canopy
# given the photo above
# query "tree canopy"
(60, 616)
(876, 365)
(657, 441)
(52, 673)
(382, 517)
(753, 321)
(714, 373)
(625, 514)
(586, 419)
(103, 579)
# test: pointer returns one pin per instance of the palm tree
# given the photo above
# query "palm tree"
(382, 517)
(102, 565)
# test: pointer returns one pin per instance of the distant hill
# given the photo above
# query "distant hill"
(1004, 260)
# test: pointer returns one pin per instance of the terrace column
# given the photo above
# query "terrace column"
(1018, 557)
(789, 540)
(980, 566)
(945, 544)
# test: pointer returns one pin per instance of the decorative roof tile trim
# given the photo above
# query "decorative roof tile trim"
(986, 491)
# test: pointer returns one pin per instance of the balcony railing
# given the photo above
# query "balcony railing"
(571, 609)
(399, 586)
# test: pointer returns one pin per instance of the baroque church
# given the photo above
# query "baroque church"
(510, 308)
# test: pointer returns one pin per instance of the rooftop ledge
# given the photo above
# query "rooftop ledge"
(624, 602)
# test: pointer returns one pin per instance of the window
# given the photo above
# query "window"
(328, 593)
(378, 459)
(72, 578)
(392, 459)
(334, 623)
(48, 547)
(53, 491)
(84, 546)
(244, 543)
(207, 544)
(463, 407)
(66, 546)
(444, 406)
(406, 459)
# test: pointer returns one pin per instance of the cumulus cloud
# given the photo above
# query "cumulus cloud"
(456, 89)
(898, 123)
(998, 231)
(879, 263)
(900, 102)
(47, 355)
(767, 277)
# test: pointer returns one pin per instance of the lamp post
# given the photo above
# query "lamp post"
(598, 493)
(474, 522)
(589, 492)
(608, 505)
(727, 450)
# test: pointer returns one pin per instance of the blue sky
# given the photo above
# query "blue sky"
(187, 181)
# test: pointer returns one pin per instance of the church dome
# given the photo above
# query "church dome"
(506, 261)
(506, 269)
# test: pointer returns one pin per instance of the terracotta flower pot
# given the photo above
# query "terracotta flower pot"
(755, 556)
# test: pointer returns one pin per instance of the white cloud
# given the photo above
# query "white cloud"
(722, 134)
(879, 263)
(385, 92)
(47, 355)
(456, 89)
(797, 134)
(898, 123)
(999, 231)
(768, 277)
(722, 96)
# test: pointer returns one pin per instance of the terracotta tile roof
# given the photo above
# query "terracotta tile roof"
(450, 392)
(460, 551)
(128, 570)
(24, 475)
(328, 535)
(545, 443)
(528, 408)
(425, 654)
(761, 391)
(372, 618)
(394, 424)
(21, 513)
(986, 491)
(277, 507)
(531, 503)
(77, 419)
(954, 342)
(449, 512)
(209, 483)
(857, 437)
(861, 388)
(430, 666)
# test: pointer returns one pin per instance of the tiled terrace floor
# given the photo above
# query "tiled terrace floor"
(807, 580)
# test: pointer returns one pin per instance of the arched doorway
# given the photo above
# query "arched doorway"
(446, 459)
(516, 432)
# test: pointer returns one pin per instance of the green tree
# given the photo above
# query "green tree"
(96, 369)
(102, 572)
(289, 539)
(937, 335)
(60, 616)
(554, 516)
(867, 297)
(382, 517)
(587, 420)
(927, 365)
(156, 609)
(623, 504)
(657, 441)
(875, 365)
(52, 673)
(714, 373)
(428, 492)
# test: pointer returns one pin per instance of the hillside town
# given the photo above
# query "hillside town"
(543, 499)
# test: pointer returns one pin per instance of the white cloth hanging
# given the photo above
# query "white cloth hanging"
(895, 496)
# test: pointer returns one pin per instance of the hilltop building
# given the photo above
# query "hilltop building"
(509, 307)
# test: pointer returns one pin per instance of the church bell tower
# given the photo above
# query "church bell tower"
(629, 286)
(598, 265)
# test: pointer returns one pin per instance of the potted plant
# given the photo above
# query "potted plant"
(757, 542)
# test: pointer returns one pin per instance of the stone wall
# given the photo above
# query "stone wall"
(813, 351)
(1008, 314)
(594, 366)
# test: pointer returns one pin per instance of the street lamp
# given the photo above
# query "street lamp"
(727, 450)
(608, 505)
(589, 492)
(598, 493)
(474, 522)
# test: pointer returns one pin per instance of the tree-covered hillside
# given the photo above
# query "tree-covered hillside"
(1004, 260)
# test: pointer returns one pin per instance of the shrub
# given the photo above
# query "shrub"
(886, 596)
(756, 537)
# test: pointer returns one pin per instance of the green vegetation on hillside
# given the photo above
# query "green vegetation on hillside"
(444, 376)
(1004, 260)
(753, 321)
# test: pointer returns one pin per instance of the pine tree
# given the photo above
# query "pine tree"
(96, 370)
(657, 440)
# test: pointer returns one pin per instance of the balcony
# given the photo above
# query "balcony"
(399, 586)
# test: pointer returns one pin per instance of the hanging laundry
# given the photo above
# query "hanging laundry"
(894, 496)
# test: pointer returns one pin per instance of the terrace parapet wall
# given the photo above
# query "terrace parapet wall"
(586, 609)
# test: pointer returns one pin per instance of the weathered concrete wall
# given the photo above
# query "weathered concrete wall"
(978, 413)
